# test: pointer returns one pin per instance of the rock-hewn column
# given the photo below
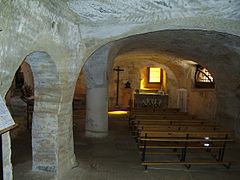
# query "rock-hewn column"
(52, 140)
(45, 119)
(6, 149)
(95, 73)
(97, 107)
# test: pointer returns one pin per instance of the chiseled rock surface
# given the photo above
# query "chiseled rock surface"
(69, 31)
(145, 11)
(33, 26)
(114, 18)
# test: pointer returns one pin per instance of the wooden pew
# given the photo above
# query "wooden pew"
(180, 133)
(184, 141)
(156, 118)
(153, 110)
(165, 116)
(188, 126)
(158, 122)
(170, 116)
(177, 126)
(154, 115)
(183, 127)
(150, 111)
(141, 124)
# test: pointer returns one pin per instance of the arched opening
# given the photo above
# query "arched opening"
(36, 144)
(19, 100)
(63, 28)
(175, 49)
(79, 114)
(177, 52)
(79, 105)
(79, 98)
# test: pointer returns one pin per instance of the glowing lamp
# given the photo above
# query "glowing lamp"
(117, 112)
(206, 138)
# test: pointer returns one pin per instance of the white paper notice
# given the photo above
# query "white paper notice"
(6, 119)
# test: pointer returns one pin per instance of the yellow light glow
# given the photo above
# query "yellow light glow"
(142, 84)
(154, 75)
(164, 83)
(117, 112)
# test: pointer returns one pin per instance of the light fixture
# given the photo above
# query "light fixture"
(206, 144)
(118, 112)
(206, 138)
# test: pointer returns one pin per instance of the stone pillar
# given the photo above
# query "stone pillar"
(97, 112)
(6, 154)
(52, 136)
(44, 141)
(95, 74)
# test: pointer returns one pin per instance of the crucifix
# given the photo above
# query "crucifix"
(118, 70)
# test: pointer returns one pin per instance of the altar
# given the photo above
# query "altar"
(151, 100)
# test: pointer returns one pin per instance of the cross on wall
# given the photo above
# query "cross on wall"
(118, 70)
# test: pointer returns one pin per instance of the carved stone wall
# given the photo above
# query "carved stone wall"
(30, 26)
(70, 31)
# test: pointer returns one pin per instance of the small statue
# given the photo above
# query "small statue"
(127, 84)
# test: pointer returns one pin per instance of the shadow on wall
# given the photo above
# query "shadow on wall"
(238, 116)
(238, 92)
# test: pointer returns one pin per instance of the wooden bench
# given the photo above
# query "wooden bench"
(174, 116)
(153, 110)
(208, 126)
(154, 115)
(183, 127)
(165, 116)
(181, 142)
(160, 122)
(150, 111)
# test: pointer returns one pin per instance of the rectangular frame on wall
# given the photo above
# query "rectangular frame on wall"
(160, 75)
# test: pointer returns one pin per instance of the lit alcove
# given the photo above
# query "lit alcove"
(134, 78)
(154, 75)
(153, 79)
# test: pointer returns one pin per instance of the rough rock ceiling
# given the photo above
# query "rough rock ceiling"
(139, 11)
(192, 45)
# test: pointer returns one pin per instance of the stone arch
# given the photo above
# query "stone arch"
(52, 138)
(27, 29)
(47, 96)
(197, 23)
(212, 49)
(52, 148)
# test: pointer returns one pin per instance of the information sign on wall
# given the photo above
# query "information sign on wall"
(6, 119)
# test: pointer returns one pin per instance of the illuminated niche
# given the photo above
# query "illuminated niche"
(154, 75)
(153, 79)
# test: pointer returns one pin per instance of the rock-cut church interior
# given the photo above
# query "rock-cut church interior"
(119, 90)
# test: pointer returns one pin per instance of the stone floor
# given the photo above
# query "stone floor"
(114, 158)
